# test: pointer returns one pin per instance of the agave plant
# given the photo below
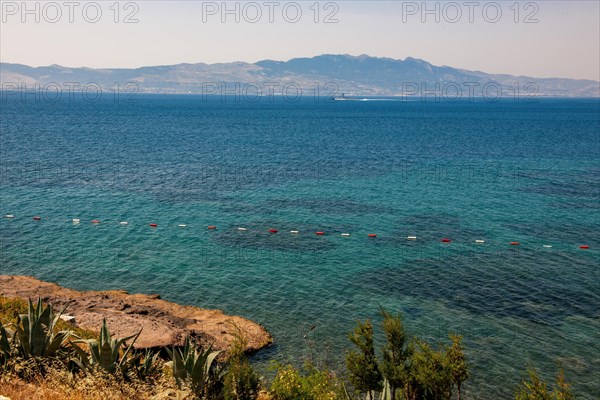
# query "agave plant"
(109, 353)
(35, 331)
(145, 365)
(6, 338)
(195, 366)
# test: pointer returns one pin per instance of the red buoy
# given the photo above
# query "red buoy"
(95, 221)
(584, 247)
(153, 225)
(36, 218)
(320, 233)
(373, 235)
(515, 243)
(212, 227)
(446, 240)
(273, 230)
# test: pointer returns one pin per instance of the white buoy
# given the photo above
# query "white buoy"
(124, 223)
(76, 220)
(412, 238)
(547, 246)
(294, 232)
(345, 234)
(9, 216)
(479, 241)
(182, 225)
(242, 229)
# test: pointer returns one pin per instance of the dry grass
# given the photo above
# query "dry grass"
(61, 385)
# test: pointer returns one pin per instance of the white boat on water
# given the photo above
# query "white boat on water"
(343, 98)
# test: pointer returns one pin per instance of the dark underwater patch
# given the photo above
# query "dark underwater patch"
(531, 285)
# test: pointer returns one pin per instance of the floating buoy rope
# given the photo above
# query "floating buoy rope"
(76, 221)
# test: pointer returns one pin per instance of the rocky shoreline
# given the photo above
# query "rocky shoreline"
(163, 323)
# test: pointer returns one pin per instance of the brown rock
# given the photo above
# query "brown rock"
(163, 323)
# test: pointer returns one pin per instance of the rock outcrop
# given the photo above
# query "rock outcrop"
(163, 323)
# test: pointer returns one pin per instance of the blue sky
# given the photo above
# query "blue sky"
(559, 38)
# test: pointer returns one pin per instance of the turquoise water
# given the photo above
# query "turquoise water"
(502, 172)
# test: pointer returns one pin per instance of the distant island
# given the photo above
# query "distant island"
(324, 76)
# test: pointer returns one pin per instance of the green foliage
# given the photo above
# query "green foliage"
(288, 384)
(431, 376)
(146, 365)
(536, 389)
(6, 338)
(108, 353)
(362, 365)
(457, 362)
(291, 384)
(410, 368)
(197, 368)
(241, 382)
(395, 353)
(35, 332)
(11, 308)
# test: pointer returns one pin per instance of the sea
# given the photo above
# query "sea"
(501, 172)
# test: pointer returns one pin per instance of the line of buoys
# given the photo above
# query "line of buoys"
(76, 221)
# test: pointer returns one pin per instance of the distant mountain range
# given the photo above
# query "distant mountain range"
(324, 75)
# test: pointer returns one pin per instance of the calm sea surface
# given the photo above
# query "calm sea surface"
(499, 172)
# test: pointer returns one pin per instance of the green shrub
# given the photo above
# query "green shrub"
(291, 384)
(536, 389)
(241, 382)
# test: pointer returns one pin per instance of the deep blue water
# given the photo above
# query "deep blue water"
(502, 172)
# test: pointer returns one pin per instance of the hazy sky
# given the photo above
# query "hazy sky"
(542, 39)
